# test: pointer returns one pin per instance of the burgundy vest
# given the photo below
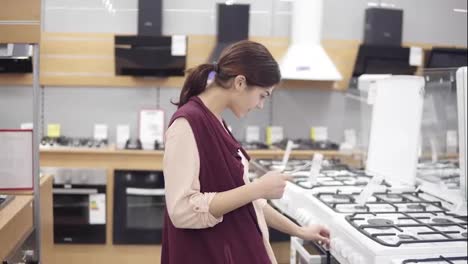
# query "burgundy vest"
(237, 239)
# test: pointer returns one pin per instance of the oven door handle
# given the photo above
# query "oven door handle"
(145, 192)
(74, 191)
(296, 245)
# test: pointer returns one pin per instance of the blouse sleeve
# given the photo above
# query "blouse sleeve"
(186, 205)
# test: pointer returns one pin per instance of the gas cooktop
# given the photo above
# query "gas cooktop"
(308, 144)
(254, 145)
(73, 142)
(437, 260)
(382, 202)
(393, 229)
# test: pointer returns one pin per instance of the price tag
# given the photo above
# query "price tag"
(26, 125)
(100, 131)
(53, 130)
(319, 133)
(315, 168)
(179, 45)
(97, 209)
(252, 134)
(274, 134)
(416, 56)
(287, 153)
(123, 134)
(151, 127)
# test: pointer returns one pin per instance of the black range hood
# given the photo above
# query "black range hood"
(149, 53)
(232, 26)
(15, 58)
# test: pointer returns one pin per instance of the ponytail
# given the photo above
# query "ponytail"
(195, 83)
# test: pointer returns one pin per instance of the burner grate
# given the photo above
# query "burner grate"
(439, 260)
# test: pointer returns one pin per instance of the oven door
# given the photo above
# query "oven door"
(79, 215)
(307, 252)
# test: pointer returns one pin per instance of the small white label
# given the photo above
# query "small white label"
(276, 134)
(416, 56)
(452, 141)
(287, 153)
(350, 137)
(370, 188)
(252, 134)
(320, 133)
(97, 209)
(27, 126)
(100, 131)
(179, 45)
(123, 134)
(315, 168)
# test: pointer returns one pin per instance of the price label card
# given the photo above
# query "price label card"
(26, 125)
(416, 56)
(97, 209)
(179, 45)
(315, 168)
(16, 159)
(274, 134)
(53, 130)
(319, 133)
(151, 127)
(123, 134)
(252, 134)
(100, 131)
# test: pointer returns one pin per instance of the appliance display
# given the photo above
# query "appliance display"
(254, 145)
(79, 201)
(447, 58)
(309, 252)
(383, 60)
(437, 259)
(5, 199)
(309, 144)
(383, 26)
(149, 56)
(394, 224)
(74, 142)
(15, 58)
(232, 26)
(139, 207)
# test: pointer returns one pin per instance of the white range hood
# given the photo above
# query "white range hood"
(306, 59)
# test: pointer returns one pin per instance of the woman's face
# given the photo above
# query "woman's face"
(246, 98)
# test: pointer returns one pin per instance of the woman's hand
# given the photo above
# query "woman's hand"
(272, 184)
(317, 233)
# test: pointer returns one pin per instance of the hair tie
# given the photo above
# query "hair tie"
(215, 66)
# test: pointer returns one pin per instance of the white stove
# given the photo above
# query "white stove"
(392, 226)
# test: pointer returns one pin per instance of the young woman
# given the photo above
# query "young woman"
(214, 213)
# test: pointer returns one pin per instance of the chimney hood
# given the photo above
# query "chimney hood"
(15, 58)
(306, 59)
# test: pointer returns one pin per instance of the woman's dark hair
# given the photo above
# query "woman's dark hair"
(247, 58)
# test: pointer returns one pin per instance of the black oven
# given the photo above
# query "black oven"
(139, 205)
(79, 205)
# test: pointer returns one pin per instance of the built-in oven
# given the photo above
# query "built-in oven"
(139, 206)
(309, 252)
(79, 205)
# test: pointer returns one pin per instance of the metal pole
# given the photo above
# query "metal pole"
(36, 140)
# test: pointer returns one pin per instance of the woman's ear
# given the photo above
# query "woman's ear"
(240, 83)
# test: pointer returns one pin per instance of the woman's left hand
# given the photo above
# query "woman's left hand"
(317, 233)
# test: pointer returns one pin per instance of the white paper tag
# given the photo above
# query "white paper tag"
(123, 134)
(97, 209)
(287, 153)
(370, 188)
(100, 131)
(252, 134)
(452, 141)
(320, 133)
(26, 126)
(416, 56)
(179, 45)
(276, 134)
(315, 168)
(151, 127)
(350, 137)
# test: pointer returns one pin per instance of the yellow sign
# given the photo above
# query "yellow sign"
(53, 130)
